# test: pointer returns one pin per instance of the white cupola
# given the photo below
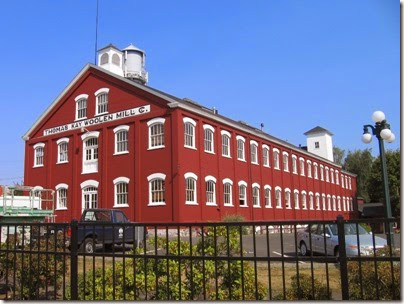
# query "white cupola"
(129, 62)
(319, 142)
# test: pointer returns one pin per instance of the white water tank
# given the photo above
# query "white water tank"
(134, 66)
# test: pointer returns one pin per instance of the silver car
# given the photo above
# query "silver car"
(328, 239)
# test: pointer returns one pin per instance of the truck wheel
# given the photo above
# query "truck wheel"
(89, 246)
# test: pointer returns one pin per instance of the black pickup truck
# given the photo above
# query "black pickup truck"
(106, 227)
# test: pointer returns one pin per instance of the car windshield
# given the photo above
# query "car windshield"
(350, 229)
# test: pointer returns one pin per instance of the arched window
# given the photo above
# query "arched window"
(89, 194)
(256, 195)
(90, 152)
(121, 139)
(334, 203)
(189, 132)
(104, 58)
(210, 190)
(254, 152)
(315, 170)
(304, 200)
(350, 183)
(225, 143)
(294, 164)
(62, 150)
(61, 196)
(268, 203)
(102, 101)
(339, 203)
(156, 133)
(342, 181)
(301, 166)
(285, 161)
(208, 140)
(324, 205)
(309, 168)
(275, 153)
(322, 172)
(332, 176)
(190, 188)
(240, 148)
(296, 199)
(265, 155)
(116, 60)
(329, 202)
(288, 205)
(227, 192)
(327, 174)
(318, 201)
(337, 177)
(81, 106)
(278, 197)
(39, 154)
(311, 198)
(121, 185)
(242, 191)
(156, 189)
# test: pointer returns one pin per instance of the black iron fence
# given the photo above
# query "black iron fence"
(277, 260)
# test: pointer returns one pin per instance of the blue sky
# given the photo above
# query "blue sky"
(290, 64)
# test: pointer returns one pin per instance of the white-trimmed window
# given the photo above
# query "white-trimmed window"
(227, 192)
(210, 183)
(321, 172)
(337, 177)
(285, 161)
(156, 133)
(39, 149)
(265, 155)
(288, 205)
(315, 165)
(309, 168)
(90, 151)
(332, 176)
(225, 143)
(256, 195)
(81, 106)
(346, 182)
(240, 148)
(242, 192)
(350, 183)
(342, 181)
(318, 201)
(301, 159)
(63, 145)
(121, 139)
(334, 203)
(61, 196)
(311, 201)
(323, 199)
(156, 189)
(208, 138)
(327, 174)
(89, 192)
(294, 164)
(101, 101)
(339, 203)
(267, 191)
(254, 152)
(304, 200)
(278, 197)
(296, 198)
(190, 188)
(189, 132)
(329, 202)
(343, 203)
(121, 185)
(275, 153)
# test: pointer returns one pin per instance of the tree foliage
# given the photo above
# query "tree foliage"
(339, 155)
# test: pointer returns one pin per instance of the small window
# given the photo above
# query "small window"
(104, 58)
(286, 162)
(225, 144)
(287, 199)
(332, 176)
(346, 182)
(344, 204)
(121, 194)
(316, 145)
(62, 150)
(189, 133)
(350, 184)
(90, 155)
(121, 139)
(156, 133)
(296, 199)
(240, 148)
(324, 207)
(208, 140)
(256, 196)
(61, 197)
(301, 166)
(156, 189)
(210, 192)
(334, 203)
(294, 164)
(329, 202)
(243, 195)
(268, 203)
(227, 194)
(265, 156)
(304, 200)
(321, 172)
(102, 101)
(81, 106)
(339, 203)
(337, 177)
(317, 202)
(311, 198)
(190, 191)
(327, 174)
(315, 171)
(278, 198)
(309, 169)
(116, 60)
(39, 154)
(254, 152)
(276, 158)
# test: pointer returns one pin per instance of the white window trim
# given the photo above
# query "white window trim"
(191, 174)
(61, 140)
(192, 122)
(116, 181)
(298, 200)
(100, 91)
(84, 137)
(254, 143)
(224, 132)
(315, 170)
(295, 171)
(287, 190)
(270, 198)
(90, 134)
(57, 188)
(39, 145)
(287, 154)
(264, 146)
(116, 130)
(238, 137)
(256, 185)
(300, 169)
(305, 193)
(150, 123)
(276, 166)
(195, 177)
(150, 178)
(277, 188)
(89, 183)
(81, 96)
(336, 177)
(319, 201)
(311, 194)
(58, 142)
(212, 129)
(206, 126)
(329, 203)
(243, 183)
(211, 178)
(225, 181)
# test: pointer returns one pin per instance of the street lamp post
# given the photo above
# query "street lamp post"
(381, 130)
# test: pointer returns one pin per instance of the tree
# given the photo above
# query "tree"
(339, 155)
(375, 185)
(360, 163)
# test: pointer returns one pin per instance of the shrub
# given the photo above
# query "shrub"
(237, 218)
(305, 290)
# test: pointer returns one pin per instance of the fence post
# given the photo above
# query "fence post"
(73, 260)
(342, 258)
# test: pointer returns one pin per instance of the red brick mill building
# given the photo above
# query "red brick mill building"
(110, 141)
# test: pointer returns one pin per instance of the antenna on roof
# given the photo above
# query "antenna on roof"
(262, 126)
(96, 35)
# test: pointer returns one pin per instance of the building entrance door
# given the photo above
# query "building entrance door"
(90, 198)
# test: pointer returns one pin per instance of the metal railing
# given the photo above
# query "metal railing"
(200, 261)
